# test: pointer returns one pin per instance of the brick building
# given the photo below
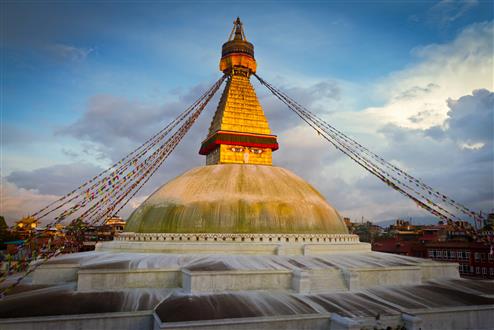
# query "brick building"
(453, 242)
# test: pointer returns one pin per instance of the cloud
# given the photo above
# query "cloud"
(68, 52)
(25, 192)
(14, 135)
(464, 174)
(471, 118)
(54, 180)
(417, 96)
(319, 96)
(112, 126)
(446, 12)
(439, 156)
(16, 202)
(417, 91)
(135, 202)
(70, 153)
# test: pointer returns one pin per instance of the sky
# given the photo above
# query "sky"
(84, 83)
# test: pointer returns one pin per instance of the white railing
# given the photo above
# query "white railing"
(238, 238)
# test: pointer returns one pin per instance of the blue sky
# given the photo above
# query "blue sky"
(63, 61)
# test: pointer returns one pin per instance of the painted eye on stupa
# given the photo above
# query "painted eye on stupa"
(237, 149)
(256, 151)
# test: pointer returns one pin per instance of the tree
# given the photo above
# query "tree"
(5, 234)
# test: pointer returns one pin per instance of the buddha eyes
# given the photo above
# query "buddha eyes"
(241, 149)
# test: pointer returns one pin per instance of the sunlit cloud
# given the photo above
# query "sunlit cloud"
(417, 96)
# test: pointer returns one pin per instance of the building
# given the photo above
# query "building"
(26, 241)
(114, 225)
(366, 231)
(91, 235)
(453, 242)
(474, 258)
(25, 227)
(242, 244)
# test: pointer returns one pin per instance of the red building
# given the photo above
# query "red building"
(475, 258)
(452, 242)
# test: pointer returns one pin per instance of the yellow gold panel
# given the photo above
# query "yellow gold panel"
(239, 111)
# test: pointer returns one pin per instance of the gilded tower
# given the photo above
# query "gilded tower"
(239, 132)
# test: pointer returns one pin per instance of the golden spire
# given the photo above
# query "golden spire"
(238, 30)
(239, 132)
(237, 51)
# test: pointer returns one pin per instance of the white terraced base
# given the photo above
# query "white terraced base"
(337, 272)
(179, 283)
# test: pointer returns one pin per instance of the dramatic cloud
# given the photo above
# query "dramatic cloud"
(471, 119)
(417, 96)
(455, 157)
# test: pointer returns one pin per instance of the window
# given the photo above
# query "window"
(477, 270)
(431, 253)
(491, 257)
(460, 255)
(467, 255)
(471, 269)
(491, 271)
(484, 270)
(452, 254)
(477, 256)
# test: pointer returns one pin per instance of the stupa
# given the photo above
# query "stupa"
(240, 243)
